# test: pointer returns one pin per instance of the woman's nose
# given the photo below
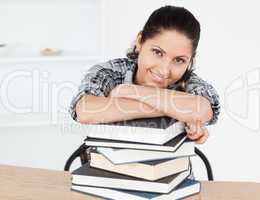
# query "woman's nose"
(163, 72)
(164, 69)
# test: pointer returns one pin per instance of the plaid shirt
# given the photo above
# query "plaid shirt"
(100, 79)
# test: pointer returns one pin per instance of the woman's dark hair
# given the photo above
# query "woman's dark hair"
(171, 18)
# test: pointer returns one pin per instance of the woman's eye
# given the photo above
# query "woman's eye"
(157, 52)
(180, 60)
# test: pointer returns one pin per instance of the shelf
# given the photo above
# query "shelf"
(7, 60)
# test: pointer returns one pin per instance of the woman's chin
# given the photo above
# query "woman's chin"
(153, 84)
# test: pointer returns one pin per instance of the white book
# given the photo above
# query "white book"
(151, 170)
(157, 130)
(186, 188)
(123, 156)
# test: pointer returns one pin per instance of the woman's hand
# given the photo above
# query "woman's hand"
(196, 131)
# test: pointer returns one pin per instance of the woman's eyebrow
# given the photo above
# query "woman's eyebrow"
(159, 48)
(181, 56)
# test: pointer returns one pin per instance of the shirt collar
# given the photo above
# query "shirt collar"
(131, 73)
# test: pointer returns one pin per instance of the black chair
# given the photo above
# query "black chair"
(83, 153)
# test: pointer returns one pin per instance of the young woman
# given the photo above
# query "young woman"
(155, 79)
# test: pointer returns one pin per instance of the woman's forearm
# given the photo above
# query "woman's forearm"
(179, 105)
(176, 104)
(97, 109)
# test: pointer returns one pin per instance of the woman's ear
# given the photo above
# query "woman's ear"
(138, 43)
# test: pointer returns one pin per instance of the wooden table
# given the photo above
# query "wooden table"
(20, 183)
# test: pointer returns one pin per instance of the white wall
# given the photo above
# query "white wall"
(227, 57)
(28, 26)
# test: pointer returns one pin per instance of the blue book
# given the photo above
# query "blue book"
(187, 188)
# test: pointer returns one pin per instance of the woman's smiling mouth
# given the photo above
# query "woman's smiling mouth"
(156, 77)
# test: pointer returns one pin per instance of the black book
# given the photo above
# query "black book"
(170, 146)
(88, 176)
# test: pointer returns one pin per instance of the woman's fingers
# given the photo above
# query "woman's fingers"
(194, 127)
(203, 138)
(193, 135)
(197, 132)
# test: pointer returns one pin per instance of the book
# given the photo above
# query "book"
(88, 176)
(169, 146)
(157, 130)
(187, 188)
(150, 170)
(123, 156)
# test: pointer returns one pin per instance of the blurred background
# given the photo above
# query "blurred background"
(46, 46)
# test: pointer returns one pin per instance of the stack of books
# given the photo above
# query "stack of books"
(137, 159)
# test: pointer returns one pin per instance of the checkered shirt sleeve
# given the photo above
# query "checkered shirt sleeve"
(197, 86)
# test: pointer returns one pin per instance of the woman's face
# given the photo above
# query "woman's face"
(163, 59)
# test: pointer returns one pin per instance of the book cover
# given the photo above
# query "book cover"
(123, 156)
(170, 146)
(150, 170)
(187, 188)
(88, 176)
(157, 130)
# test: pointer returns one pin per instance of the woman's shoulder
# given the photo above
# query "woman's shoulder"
(119, 69)
(117, 64)
(195, 78)
(195, 81)
(192, 82)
